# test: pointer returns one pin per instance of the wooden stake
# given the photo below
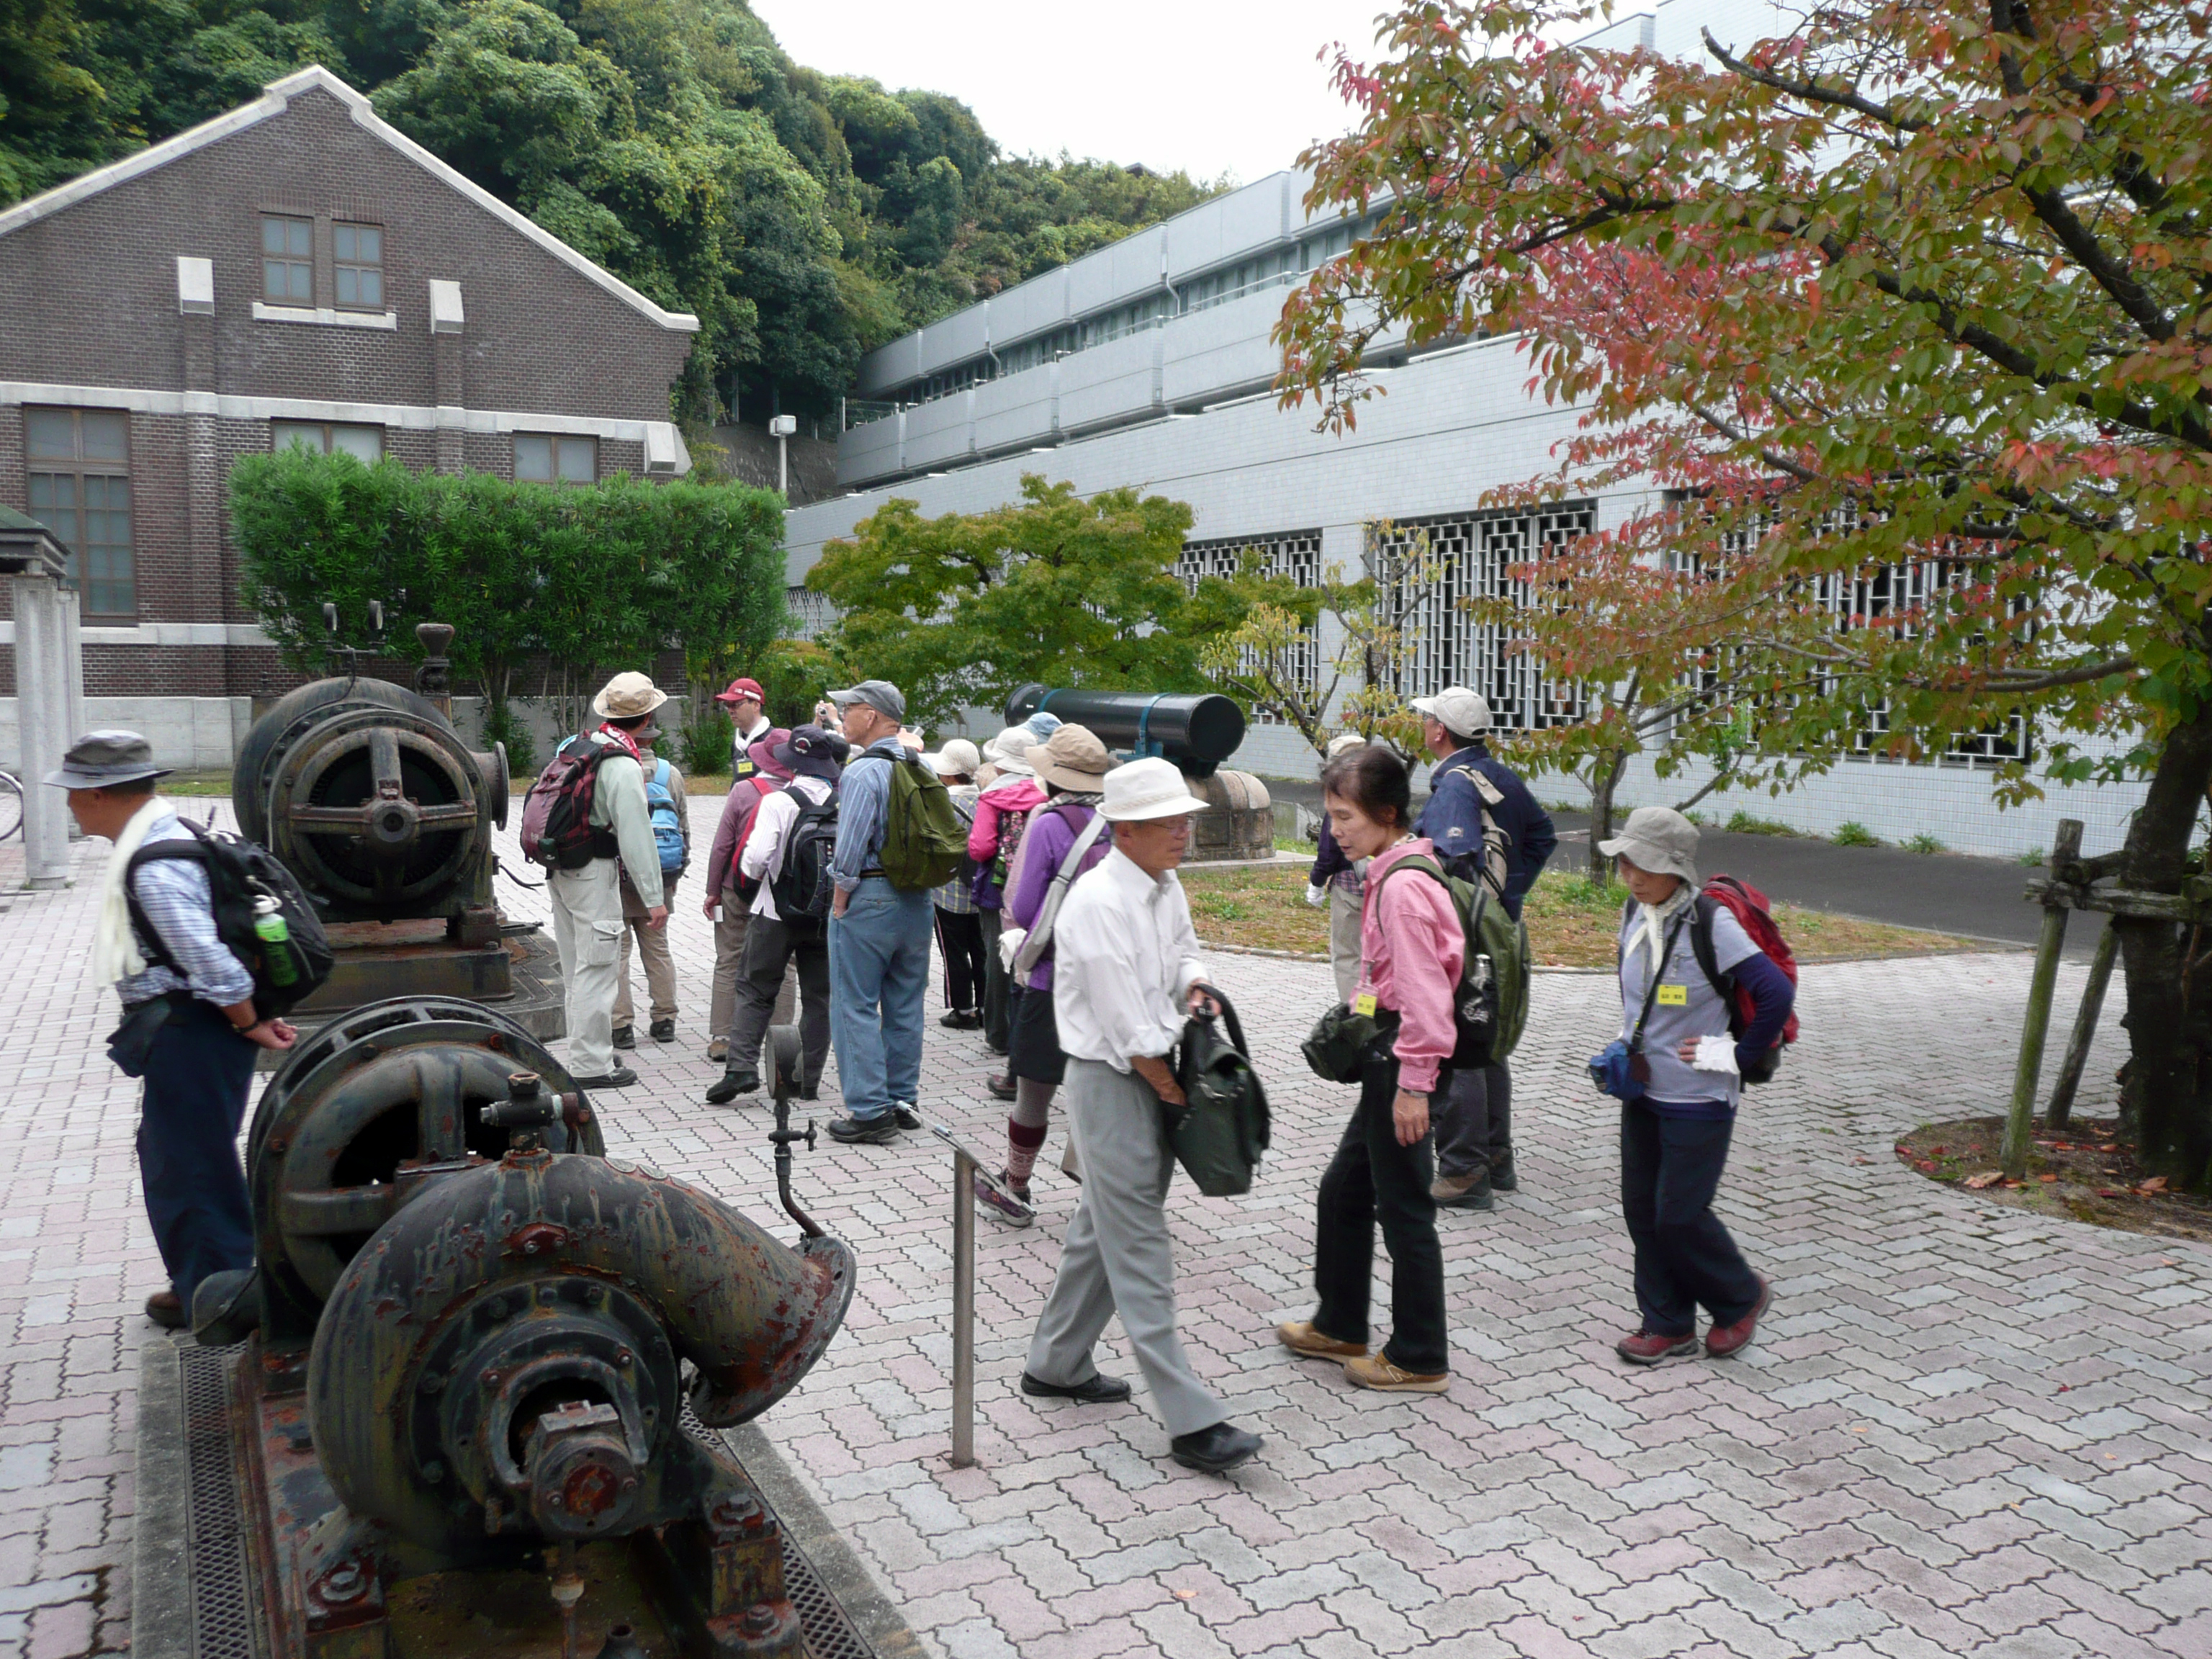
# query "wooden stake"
(2060, 1112)
(2019, 1122)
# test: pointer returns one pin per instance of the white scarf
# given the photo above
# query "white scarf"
(1656, 919)
(115, 953)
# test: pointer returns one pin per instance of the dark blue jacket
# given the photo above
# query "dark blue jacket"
(1453, 820)
(1329, 860)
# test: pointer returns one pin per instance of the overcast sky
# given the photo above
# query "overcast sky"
(1209, 86)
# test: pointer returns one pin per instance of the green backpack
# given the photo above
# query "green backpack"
(924, 840)
(1491, 1006)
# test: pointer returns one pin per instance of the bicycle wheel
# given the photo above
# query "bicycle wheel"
(11, 804)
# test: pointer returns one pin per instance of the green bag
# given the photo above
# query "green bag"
(1490, 1005)
(1222, 1128)
(1337, 1045)
(924, 839)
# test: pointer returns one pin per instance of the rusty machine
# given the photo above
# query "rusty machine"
(372, 799)
(1197, 731)
(474, 1417)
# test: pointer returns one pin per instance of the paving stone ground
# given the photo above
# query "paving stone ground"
(1963, 1430)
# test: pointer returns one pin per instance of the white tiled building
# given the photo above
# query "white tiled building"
(1148, 363)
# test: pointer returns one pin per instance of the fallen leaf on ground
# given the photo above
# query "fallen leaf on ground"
(1935, 1152)
(1987, 1178)
(2114, 1192)
(2046, 1179)
(1186, 1595)
(2109, 1146)
(2010, 1184)
(2155, 1184)
(1925, 1163)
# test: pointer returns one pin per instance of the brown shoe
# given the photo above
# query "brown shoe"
(166, 1310)
(1379, 1373)
(1300, 1336)
(1723, 1340)
(1649, 1347)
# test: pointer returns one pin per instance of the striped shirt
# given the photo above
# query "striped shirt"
(174, 894)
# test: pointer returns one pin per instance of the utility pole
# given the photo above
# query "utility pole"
(783, 426)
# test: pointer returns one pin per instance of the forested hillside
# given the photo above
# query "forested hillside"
(805, 217)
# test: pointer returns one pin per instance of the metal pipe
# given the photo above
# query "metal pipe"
(964, 1309)
(1196, 730)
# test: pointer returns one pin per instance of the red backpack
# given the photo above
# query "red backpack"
(1749, 907)
(557, 814)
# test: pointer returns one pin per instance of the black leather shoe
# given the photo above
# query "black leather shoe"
(625, 1037)
(1502, 1177)
(960, 1020)
(731, 1085)
(227, 1307)
(1217, 1449)
(905, 1117)
(621, 1077)
(878, 1131)
(1099, 1389)
(1001, 1088)
(166, 1310)
(662, 1030)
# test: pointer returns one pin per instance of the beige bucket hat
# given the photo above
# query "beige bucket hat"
(626, 696)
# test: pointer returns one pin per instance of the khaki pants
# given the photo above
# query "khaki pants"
(659, 971)
(587, 931)
(1344, 941)
(731, 923)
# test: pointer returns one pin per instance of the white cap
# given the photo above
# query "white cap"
(1461, 712)
(1147, 789)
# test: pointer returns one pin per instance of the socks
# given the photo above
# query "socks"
(1025, 1128)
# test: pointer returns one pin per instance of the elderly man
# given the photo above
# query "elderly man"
(743, 697)
(1127, 968)
(1474, 1129)
(190, 1028)
(587, 903)
(879, 933)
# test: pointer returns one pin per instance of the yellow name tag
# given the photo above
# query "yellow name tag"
(1674, 996)
(1364, 1004)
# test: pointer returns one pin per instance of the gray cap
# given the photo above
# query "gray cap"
(1658, 839)
(879, 695)
(98, 759)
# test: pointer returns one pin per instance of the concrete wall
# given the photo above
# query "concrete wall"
(189, 734)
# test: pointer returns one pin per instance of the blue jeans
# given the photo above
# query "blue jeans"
(196, 1082)
(880, 953)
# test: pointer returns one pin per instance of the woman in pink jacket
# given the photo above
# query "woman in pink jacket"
(1410, 949)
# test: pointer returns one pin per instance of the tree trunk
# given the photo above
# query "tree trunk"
(2166, 1100)
(1605, 768)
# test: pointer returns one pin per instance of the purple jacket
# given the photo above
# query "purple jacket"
(1052, 830)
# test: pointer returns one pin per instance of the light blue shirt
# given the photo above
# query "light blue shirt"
(863, 811)
(174, 894)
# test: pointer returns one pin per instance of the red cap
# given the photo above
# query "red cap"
(739, 689)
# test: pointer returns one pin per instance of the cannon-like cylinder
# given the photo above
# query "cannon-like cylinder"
(1196, 730)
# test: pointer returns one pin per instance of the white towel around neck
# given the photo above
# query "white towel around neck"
(1657, 918)
(115, 953)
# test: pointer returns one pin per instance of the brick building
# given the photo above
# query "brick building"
(296, 271)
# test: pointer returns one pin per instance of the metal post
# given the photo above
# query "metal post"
(2019, 1121)
(964, 1309)
(2060, 1112)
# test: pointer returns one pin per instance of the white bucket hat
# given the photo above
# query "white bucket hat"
(1147, 789)
(1658, 839)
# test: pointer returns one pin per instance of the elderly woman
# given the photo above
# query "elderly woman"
(1411, 949)
(1675, 1135)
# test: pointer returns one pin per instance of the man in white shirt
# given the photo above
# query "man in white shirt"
(1127, 968)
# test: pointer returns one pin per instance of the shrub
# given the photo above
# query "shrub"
(501, 726)
(706, 744)
(1855, 834)
(1925, 842)
(1742, 823)
(2033, 858)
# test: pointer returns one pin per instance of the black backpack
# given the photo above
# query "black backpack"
(244, 881)
(803, 886)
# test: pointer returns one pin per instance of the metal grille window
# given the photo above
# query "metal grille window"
(359, 263)
(363, 443)
(80, 489)
(811, 613)
(288, 261)
(1295, 554)
(1470, 553)
(546, 459)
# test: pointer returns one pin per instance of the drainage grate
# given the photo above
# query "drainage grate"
(223, 1624)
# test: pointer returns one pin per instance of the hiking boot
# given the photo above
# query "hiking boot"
(662, 1030)
(1002, 1201)
(1649, 1347)
(1002, 1087)
(1382, 1374)
(730, 1086)
(1502, 1179)
(962, 1019)
(904, 1114)
(1217, 1449)
(877, 1131)
(1723, 1340)
(719, 1050)
(621, 1077)
(625, 1037)
(1468, 1192)
(1300, 1336)
(166, 1310)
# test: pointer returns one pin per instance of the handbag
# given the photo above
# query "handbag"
(130, 1045)
(1620, 1069)
(1334, 1048)
(1222, 1129)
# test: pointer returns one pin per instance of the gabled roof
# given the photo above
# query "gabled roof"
(273, 101)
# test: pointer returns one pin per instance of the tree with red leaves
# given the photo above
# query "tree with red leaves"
(1901, 324)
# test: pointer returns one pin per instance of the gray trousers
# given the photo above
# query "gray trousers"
(731, 923)
(1474, 1131)
(1117, 1258)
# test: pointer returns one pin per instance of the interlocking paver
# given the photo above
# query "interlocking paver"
(1963, 1430)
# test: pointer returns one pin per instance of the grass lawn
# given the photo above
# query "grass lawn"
(1571, 924)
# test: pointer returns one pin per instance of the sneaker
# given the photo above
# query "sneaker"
(1002, 1201)
(625, 1037)
(1649, 1347)
(1723, 1340)
(1002, 1087)
(731, 1085)
(621, 1077)
(166, 1310)
(1502, 1176)
(1300, 1336)
(662, 1030)
(1470, 1192)
(719, 1050)
(962, 1019)
(877, 1131)
(1217, 1449)
(903, 1115)
(1377, 1373)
